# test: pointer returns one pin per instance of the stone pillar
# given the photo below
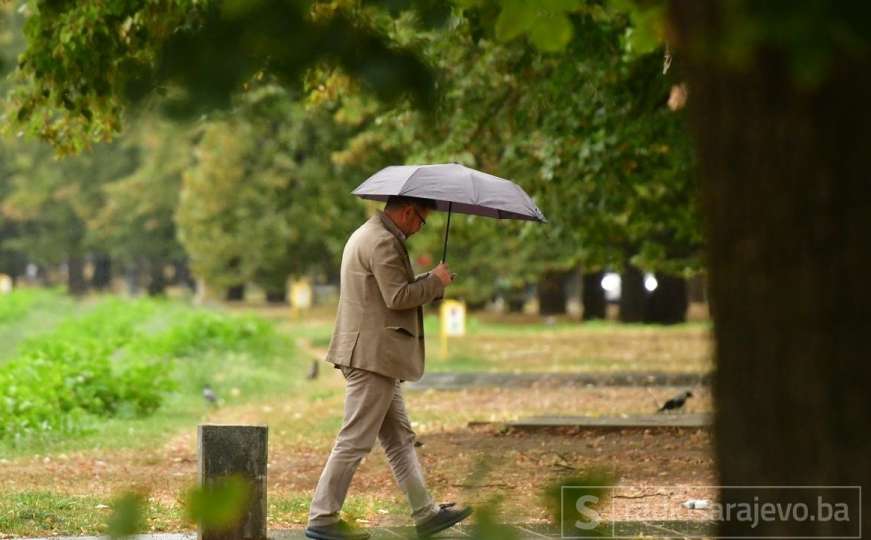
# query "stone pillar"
(241, 451)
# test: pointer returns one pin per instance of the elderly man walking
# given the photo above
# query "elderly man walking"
(378, 342)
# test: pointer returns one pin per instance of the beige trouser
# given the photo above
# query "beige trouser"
(373, 407)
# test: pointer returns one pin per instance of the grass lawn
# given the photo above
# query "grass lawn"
(519, 343)
(31, 314)
(63, 485)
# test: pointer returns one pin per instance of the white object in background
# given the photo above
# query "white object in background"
(696, 504)
(5, 284)
(611, 284)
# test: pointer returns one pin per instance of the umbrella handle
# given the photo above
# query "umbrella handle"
(447, 231)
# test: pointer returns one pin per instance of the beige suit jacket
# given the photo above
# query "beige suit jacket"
(379, 324)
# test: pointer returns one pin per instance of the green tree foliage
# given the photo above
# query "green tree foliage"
(263, 200)
(84, 62)
(587, 132)
(50, 200)
(135, 223)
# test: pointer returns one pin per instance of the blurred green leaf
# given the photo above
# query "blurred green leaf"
(128, 516)
(648, 24)
(219, 505)
(560, 6)
(580, 500)
(487, 526)
(551, 33)
(516, 17)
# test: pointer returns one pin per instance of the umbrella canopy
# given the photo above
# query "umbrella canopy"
(454, 188)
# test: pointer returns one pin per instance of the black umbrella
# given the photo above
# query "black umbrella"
(454, 188)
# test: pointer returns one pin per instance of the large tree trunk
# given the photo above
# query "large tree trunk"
(593, 296)
(788, 215)
(633, 295)
(552, 294)
(76, 283)
(668, 303)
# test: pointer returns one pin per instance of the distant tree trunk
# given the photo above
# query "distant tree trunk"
(76, 283)
(551, 293)
(182, 276)
(276, 296)
(784, 171)
(696, 288)
(235, 293)
(515, 303)
(132, 274)
(43, 276)
(633, 295)
(593, 296)
(156, 279)
(102, 278)
(668, 303)
(13, 263)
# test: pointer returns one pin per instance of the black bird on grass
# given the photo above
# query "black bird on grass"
(313, 371)
(210, 396)
(676, 402)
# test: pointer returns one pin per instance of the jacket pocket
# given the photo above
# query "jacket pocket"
(402, 331)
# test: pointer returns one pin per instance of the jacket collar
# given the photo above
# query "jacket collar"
(390, 226)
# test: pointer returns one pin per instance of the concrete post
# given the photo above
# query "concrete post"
(240, 451)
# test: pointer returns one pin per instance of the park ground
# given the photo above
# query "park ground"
(67, 486)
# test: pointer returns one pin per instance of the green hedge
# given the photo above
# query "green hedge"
(117, 360)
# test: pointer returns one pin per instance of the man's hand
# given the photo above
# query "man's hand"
(443, 273)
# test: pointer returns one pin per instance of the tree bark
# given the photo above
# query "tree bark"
(633, 295)
(182, 275)
(156, 279)
(515, 303)
(131, 277)
(278, 296)
(76, 283)
(697, 288)
(593, 296)
(784, 171)
(668, 303)
(235, 293)
(102, 278)
(551, 293)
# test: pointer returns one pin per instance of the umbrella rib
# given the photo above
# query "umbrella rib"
(407, 180)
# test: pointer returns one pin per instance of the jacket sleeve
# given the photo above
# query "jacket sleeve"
(425, 275)
(397, 291)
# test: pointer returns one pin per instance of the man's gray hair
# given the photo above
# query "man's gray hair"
(395, 202)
